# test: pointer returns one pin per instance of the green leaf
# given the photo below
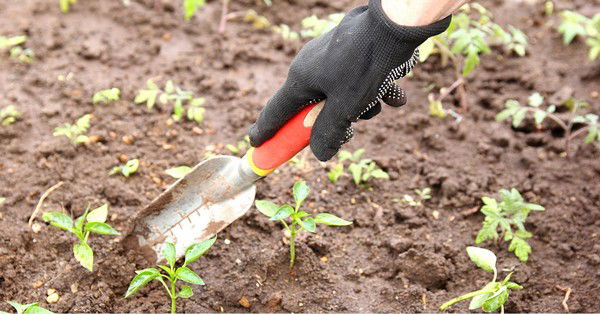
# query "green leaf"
(521, 248)
(36, 309)
(98, 215)
(592, 135)
(535, 100)
(187, 275)
(283, 212)
(331, 220)
(130, 167)
(101, 228)
(514, 286)
(267, 208)
(484, 259)
(539, 117)
(344, 155)
(496, 300)
(194, 252)
(169, 253)
(426, 49)
(185, 292)
(380, 174)
(477, 301)
(141, 279)
(357, 154)
(356, 172)
(84, 255)
(191, 6)
(535, 207)
(178, 172)
(308, 224)
(471, 62)
(21, 308)
(167, 270)
(301, 191)
(58, 220)
(300, 214)
(518, 117)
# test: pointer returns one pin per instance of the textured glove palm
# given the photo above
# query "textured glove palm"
(353, 66)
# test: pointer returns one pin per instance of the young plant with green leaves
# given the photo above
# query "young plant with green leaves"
(471, 34)
(10, 42)
(31, 308)
(587, 123)
(90, 222)
(493, 295)
(240, 147)
(190, 7)
(313, 26)
(16, 51)
(172, 274)
(574, 25)
(106, 96)
(9, 115)
(422, 196)
(75, 132)
(178, 172)
(298, 220)
(509, 217)
(176, 96)
(361, 170)
(65, 5)
(126, 169)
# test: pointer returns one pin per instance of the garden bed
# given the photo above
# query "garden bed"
(395, 257)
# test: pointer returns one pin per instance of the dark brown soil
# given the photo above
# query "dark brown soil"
(394, 258)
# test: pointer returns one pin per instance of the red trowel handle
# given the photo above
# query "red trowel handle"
(293, 137)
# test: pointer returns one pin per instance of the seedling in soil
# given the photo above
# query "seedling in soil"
(9, 115)
(106, 96)
(19, 54)
(127, 169)
(2, 200)
(315, 27)
(588, 123)
(422, 195)
(574, 24)
(511, 212)
(240, 147)
(298, 220)
(66, 4)
(176, 96)
(190, 7)
(32, 308)
(471, 34)
(173, 274)
(178, 172)
(493, 295)
(10, 42)
(90, 222)
(75, 132)
(362, 170)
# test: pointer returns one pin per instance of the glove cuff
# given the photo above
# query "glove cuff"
(412, 34)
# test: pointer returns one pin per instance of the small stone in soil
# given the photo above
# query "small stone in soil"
(37, 284)
(238, 261)
(227, 241)
(53, 298)
(36, 227)
(244, 302)
(324, 259)
(123, 158)
(127, 139)
(436, 214)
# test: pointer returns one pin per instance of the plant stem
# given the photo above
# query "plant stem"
(462, 298)
(292, 245)
(572, 136)
(173, 297)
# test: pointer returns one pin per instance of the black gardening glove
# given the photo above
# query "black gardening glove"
(353, 66)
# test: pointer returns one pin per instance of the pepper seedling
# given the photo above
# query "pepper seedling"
(299, 220)
(106, 96)
(31, 308)
(9, 115)
(362, 170)
(173, 274)
(75, 132)
(493, 295)
(90, 222)
(127, 169)
(512, 211)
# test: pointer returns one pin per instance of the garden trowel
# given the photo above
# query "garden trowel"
(216, 192)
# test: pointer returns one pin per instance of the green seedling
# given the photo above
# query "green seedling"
(75, 132)
(511, 212)
(19, 54)
(2, 200)
(286, 32)
(589, 122)
(10, 42)
(106, 96)
(240, 147)
(471, 34)
(31, 308)
(173, 274)
(190, 7)
(90, 222)
(258, 21)
(178, 172)
(493, 295)
(127, 169)
(66, 4)
(313, 26)
(422, 196)
(574, 25)
(9, 115)
(176, 96)
(298, 220)
(361, 170)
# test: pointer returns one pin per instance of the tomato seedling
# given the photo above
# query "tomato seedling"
(240, 147)
(175, 95)
(422, 195)
(127, 169)
(75, 132)
(31, 308)
(9, 115)
(299, 220)
(178, 172)
(574, 24)
(66, 4)
(315, 27)
(191, 6)
(173, 274)
(90, 222)
(493, 295)
(512, 211)
(106, 96)
(361, 170)
(518, 112)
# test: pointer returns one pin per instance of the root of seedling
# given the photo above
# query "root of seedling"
(566, 299)
(41, 201)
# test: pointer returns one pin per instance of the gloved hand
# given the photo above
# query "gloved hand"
(353, 66)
